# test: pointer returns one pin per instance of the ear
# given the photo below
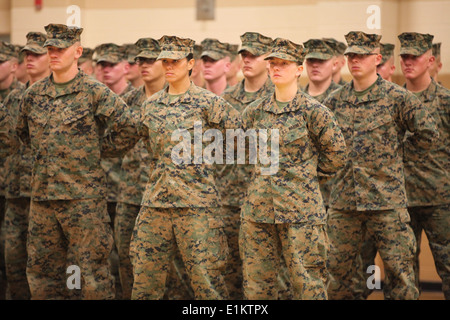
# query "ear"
(191, 64)
(299, 71)
(227, 66)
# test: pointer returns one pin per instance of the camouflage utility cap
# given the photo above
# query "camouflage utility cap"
(130, 51)
(436, 49)
(414, 43)
(197, 51)
(7, 51)
(173, 47)
(86, 55)
(110, 52)
(35, 43)
(337, 46)
(361, 43)
(255, 43)
(62, 36)
(318, 49)
(387, 51)
(148, 48)
(233, 49)
(287, 50)
(214, 49)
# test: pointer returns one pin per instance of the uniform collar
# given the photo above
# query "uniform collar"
(184, 98)
(374, 94)
(295, 104)
(75, 86)
(239, 91)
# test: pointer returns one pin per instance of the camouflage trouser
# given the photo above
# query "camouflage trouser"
(178, 284)
(394, 241)
(79, 226)
(233, 276)
(114, 256)
(3, 283)
(199, 235)
(123, 229)
(435, 221)
(304, 247)
(16, 230)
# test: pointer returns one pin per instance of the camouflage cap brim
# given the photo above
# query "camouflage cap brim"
(358, 50)
(35, 48)
(253, 50)
(213, 55)
(281, 55)
(58, 43)
(148, 54)
(174, 55)
(414, 51)
(319, 56)
(109, 58)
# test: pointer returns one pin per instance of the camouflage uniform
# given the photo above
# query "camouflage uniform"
(112, 53)
(7, 138)
(339, 49)
(428, 175)
(68, 187)
(369, 192)
(284, 214)
(18, 192)
(7, 52)
(181, 203)
(232, 180)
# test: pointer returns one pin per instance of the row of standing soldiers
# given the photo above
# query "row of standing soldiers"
(363, 167)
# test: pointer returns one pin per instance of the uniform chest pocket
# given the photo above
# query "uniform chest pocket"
(373, 122)
(73, 114)
(296, 144)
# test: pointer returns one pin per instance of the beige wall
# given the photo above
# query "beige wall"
(127, 21)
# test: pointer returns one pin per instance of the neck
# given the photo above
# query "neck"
(217, 86)
(119, 86)
(255, 83)
(419, 84)
(364, 83)
(36, 78)
(337, 77)
(5, 84)
(316, 88)
(154, 86)
(286, 93)
(67, 75)
(137, 82)
(179, 87)
(232, 81)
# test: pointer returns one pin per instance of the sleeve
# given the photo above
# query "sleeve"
(119, 122)
(330, 141)
(416, 119)
(8, 139)
(22, 129)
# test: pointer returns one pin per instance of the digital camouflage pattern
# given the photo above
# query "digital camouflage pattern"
(373, 179)
(185, 185)
(62, 36)
(86, 55)
(436, 49)
(289, 202)
(7, 51)
(318, 49)
(173, 47)
(8, 142)
(199, 235)
(263, 244)
(255, 43)
(387, 51)
(321, 98)
(427, 175)
(64, 132)
(337, 46)
(35, 43)
(233, 180)
(286, 50)
(130, 51)
(148, 48)
(394, 240)
(361, 43)
(214, 49)
(415, 43)
(110, 52)
(81, 225)
(428, 185)
(310, 142)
